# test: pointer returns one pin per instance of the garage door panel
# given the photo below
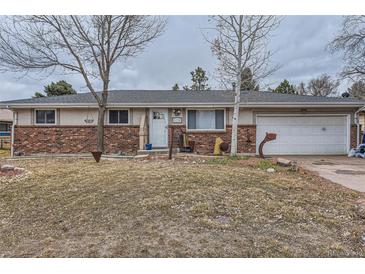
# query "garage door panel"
(304, 135)
(304, 150)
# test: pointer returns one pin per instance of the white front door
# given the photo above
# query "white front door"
(158, 127)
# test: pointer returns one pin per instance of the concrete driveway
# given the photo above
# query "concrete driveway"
(349, 172)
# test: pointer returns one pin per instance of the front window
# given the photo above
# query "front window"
(206, 119)
(45, 116)
(118, 117)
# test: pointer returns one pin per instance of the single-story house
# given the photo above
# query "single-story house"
(303, 124)
(6, 121)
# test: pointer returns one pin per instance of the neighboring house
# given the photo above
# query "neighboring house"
(303, 124)
(6, 121)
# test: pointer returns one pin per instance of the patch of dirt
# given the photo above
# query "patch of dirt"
(159, 208)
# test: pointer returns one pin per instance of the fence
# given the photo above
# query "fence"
(5, 139)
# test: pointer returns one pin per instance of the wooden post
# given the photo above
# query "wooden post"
(171, 137)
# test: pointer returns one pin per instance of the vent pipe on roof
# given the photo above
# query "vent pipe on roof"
(233, 86)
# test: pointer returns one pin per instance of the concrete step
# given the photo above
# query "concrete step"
(155, 151)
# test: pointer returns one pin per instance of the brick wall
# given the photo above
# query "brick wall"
(82, 139)
(74, 139)
(353, 138)
(204, 141)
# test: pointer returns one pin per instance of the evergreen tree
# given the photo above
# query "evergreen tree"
(176, 87)
(247, 81)
(38, 95)
(285, 87)
(56, 89)
(199, 80)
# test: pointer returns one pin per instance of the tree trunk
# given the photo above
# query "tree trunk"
(237, 97)
(236, 112)
(100, 129)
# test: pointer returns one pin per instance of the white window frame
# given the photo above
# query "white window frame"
(119, 124)
(205, 130)
(46, 124)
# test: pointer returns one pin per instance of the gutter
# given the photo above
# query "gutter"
(357, 122)
(186, 104)
(15, 120)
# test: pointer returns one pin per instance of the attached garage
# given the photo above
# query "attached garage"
(304, 134)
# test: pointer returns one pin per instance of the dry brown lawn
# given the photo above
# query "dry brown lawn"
(126, 208)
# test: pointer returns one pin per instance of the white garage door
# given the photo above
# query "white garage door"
(302, 135)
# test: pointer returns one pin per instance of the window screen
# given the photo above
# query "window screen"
(118, 117)
(191, 119)
(45, 116)
(219, 119)
(206, 119)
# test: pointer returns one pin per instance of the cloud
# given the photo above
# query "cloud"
(299, 45)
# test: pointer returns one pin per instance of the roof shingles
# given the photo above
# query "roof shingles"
(176, 97)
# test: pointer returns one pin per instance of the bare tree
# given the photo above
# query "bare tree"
(357, 90)
(87, 45)
(241, 42)
(301, 89)
(322, 86)
(351, 41)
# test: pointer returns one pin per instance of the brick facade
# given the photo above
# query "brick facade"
(82, 139)
(204, 141)
(353, 139)
(74, 139)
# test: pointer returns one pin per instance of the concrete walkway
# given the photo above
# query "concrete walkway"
(349, 172)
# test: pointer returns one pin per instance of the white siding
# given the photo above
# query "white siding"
(245, 117)
(24, 117)
(72, 117)
(137, 113)
(75, 117)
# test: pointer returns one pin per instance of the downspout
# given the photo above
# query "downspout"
(356, 118)
(15, 119)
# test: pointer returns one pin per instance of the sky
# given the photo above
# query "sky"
(299, 46)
